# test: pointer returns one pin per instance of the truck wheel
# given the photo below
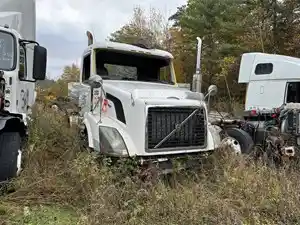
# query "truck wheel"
(10, 155)
(84, 139)
(239, 140)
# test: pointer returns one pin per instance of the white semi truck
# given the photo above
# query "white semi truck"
(22, 62)
(272, 105)
(273, 101)
(131, 106)
(272, 80)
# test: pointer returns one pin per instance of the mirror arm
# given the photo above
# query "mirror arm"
(208, 103)
(206, 95)
(30, 81)
(23, 41)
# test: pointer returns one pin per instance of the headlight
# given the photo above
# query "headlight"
(111, 142)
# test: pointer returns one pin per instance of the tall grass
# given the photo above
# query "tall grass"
(228, 190)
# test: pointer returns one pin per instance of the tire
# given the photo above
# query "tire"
(10, 148)
(243, 138)
(84, 139)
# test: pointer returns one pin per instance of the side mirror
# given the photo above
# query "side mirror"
(95, 81)
(212, 90)
(39, 63)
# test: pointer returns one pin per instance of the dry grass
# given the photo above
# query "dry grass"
(71, 187)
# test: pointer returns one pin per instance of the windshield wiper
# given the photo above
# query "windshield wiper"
(128, 78)
(160, 81)
(165, 82)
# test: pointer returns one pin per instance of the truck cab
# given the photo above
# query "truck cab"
(131, 105)
(272, 80)
(22, 62)
(272, 106)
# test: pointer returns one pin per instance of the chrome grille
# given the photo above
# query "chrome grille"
(163, 120)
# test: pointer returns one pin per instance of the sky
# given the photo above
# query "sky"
(62, 25)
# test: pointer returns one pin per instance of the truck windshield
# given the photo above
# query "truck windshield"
(123, 66)
(6, 51)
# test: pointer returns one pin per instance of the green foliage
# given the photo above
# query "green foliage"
(50, 89)
(46, 215)
(70, 73)
(228, 28)
(231, 27)
(219, 23)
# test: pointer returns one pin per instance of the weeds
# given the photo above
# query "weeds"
(71, 184)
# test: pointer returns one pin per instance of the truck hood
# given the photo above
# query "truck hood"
(147, 90)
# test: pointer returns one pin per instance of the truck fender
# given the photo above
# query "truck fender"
(215, 131)
(89, 132)
(11, 123)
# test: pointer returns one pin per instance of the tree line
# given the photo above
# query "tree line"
(228, 28)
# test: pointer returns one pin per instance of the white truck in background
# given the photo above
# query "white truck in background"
(273, 101)
(272, 105)
(272, 80)
(22, 62)
(131, 106)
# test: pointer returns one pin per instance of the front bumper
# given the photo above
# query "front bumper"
(170, 163)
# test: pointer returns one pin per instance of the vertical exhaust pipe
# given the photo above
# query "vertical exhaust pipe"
(197, 79)
(90, 38)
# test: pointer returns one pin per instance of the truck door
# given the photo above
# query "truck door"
(85, 95)
(24, 87)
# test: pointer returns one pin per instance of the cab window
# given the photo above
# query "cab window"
(293, 92)
(86, 69)
(165, 74)
(22, 64)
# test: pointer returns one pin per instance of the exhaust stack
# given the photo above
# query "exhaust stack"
(90, 38)
(197, 79)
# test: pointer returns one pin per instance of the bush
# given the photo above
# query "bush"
(228, 190)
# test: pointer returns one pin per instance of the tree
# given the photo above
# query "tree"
(70, 73)
(151, 30)
(58, 88)
(289, 28)
(219, 23)
(228, 28)
(182, 55)
(231, 27)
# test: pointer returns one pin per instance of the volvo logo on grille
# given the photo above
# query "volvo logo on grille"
(177, 126)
